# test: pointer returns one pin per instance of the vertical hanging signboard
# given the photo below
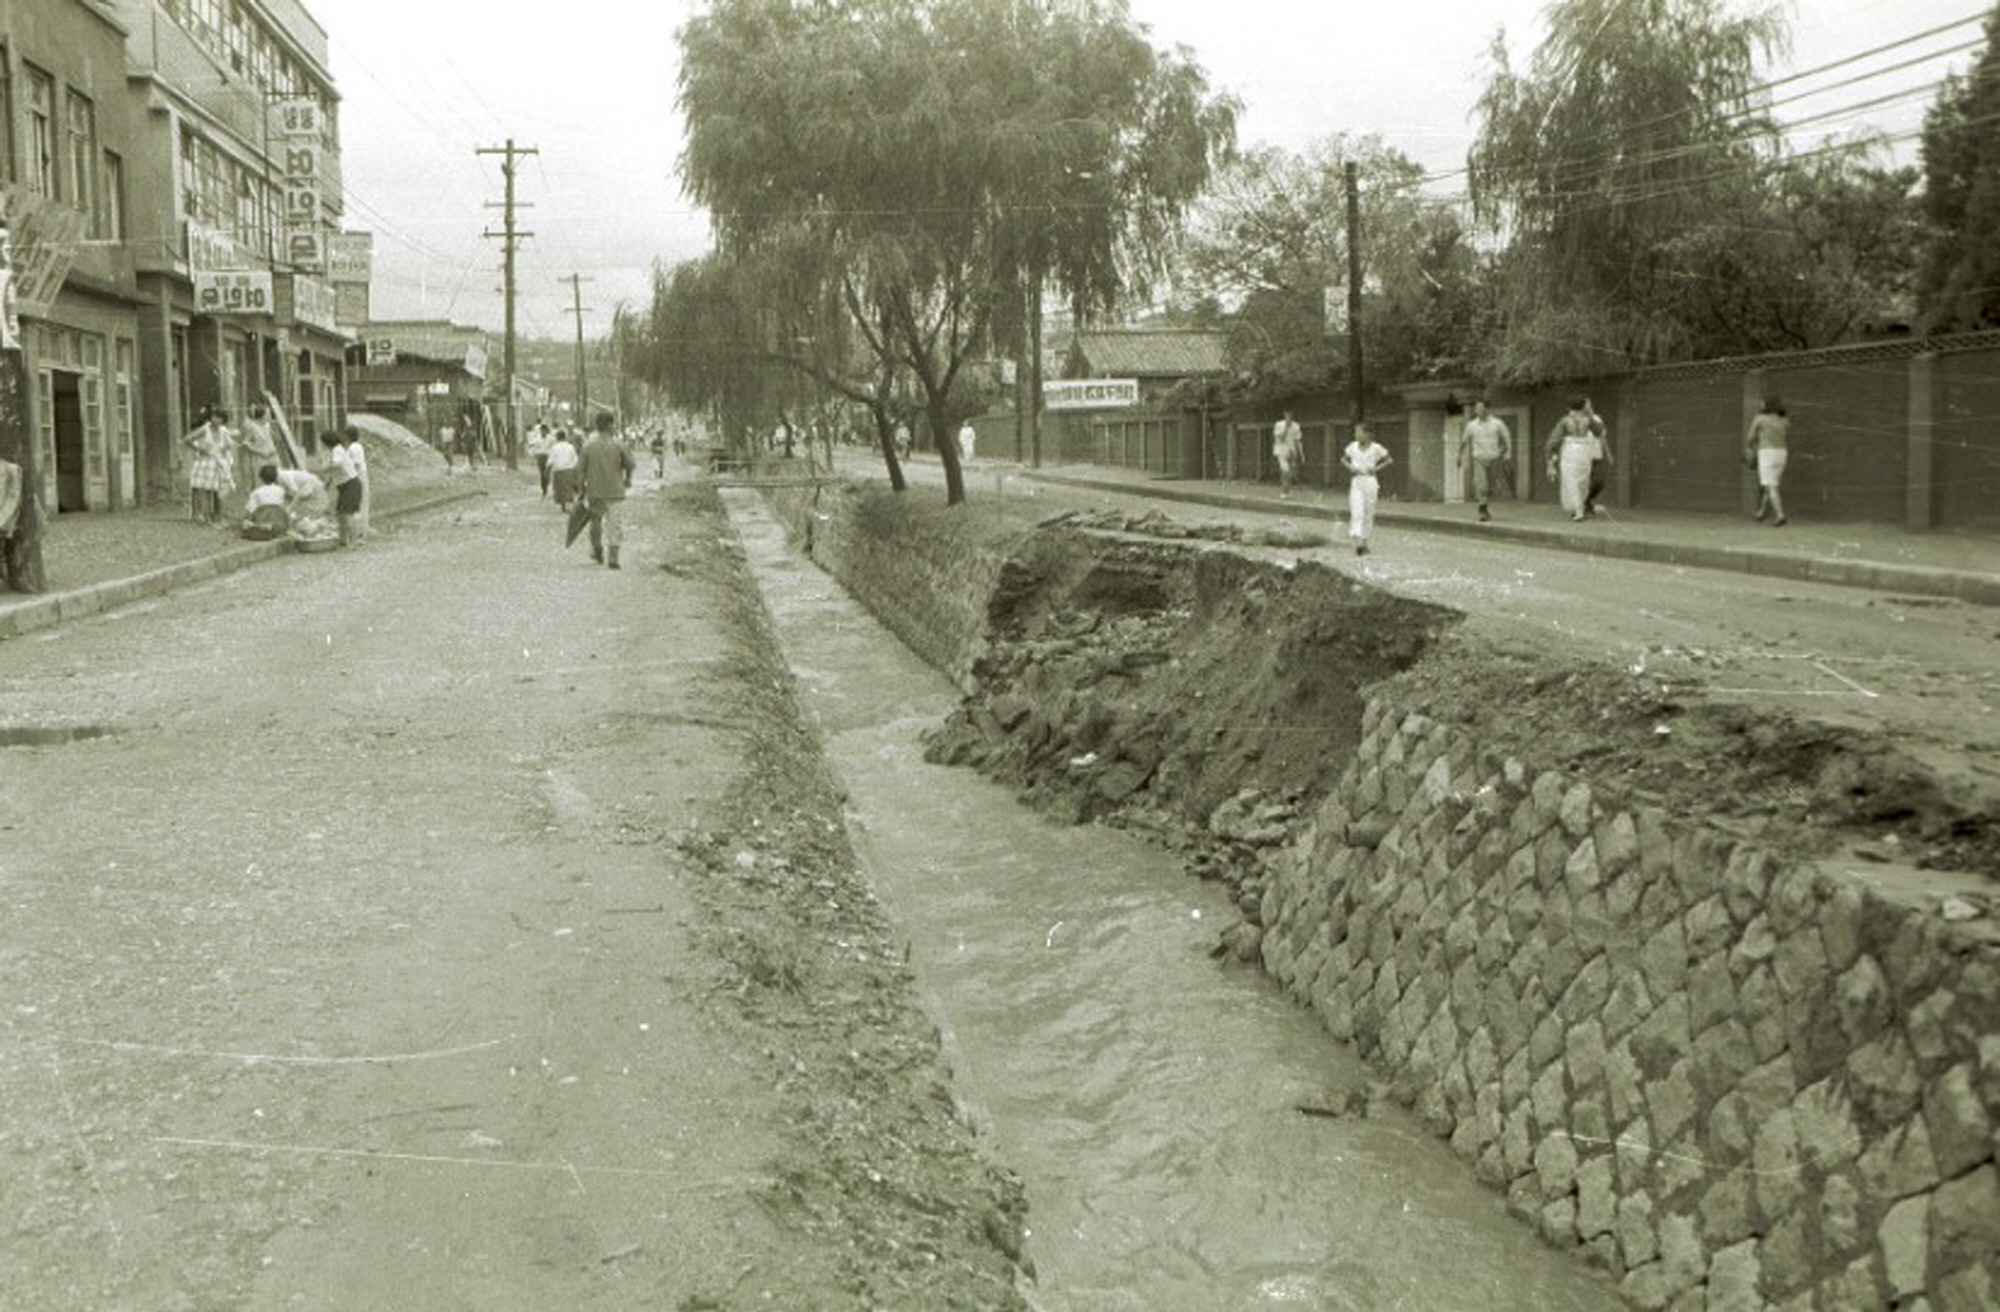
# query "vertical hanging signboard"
(296, 136)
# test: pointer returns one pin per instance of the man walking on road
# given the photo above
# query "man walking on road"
(1288, 449)
(606, 467)
(1488, 446)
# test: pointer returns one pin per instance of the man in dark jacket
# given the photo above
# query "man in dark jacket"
(606, 470)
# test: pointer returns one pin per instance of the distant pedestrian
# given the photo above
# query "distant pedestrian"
(345, 482)
(358, 454)
(1489, 448)
(447, 443)
(606, 469)
(563, 457)
(211, 474)
(1766, 449)
(468, 440)
(1600, 464)
(1574, 443)
(538, 447)
(1364, 459)
(1289, 450)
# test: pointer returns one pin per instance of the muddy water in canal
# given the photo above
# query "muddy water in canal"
(1148, 1096)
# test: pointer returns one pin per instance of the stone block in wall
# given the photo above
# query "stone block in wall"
(1638, 1239)
(1904, 1239)
(1663, 959)
(1755, 946)
(1721, 1059)
(1680, 1266)
(1557, 1221)
(1900, 1164)
(1764, 1008)
(1885, 1082)
(1857, 1285)
(1629, 1004)
(1710, 930)
(1624, 1082)
(1596, 1197)
(1970, 1289)
(1823, 1120)
(1790, 1253)
(1961, 1129)
(1711, 990)
(1734, 1276)
(1725, 1209)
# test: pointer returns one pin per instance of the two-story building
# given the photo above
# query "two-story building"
(66, 147)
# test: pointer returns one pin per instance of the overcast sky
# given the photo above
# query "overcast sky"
(589, 84)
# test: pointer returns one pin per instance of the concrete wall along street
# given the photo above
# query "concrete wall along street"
(1732, 1078)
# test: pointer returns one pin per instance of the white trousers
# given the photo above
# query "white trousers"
(1362, 491)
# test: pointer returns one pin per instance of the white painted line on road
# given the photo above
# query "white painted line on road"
(1824, 668)
(259, 1058)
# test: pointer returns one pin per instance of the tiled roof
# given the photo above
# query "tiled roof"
(1151, 352)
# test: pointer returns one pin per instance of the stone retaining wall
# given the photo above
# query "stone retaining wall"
(1734, 1082)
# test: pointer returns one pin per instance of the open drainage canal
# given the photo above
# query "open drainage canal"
(1148, 1097)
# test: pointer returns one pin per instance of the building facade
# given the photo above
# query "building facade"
(237, 159)
(66, 146)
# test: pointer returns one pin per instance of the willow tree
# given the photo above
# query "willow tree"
(939, 153)
(1634, 116)
(1959, 286)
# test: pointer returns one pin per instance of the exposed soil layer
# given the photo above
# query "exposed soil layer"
(1148, 684)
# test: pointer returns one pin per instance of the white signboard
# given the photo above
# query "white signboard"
(349, 256)
(231, 293)
(313, 303)
(1090, 394)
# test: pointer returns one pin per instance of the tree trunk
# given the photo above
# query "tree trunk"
(947, 448)
(21, 551)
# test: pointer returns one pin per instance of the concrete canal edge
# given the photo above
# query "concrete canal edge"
(1730, 1076)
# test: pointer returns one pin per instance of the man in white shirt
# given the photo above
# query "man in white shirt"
(1487, 445)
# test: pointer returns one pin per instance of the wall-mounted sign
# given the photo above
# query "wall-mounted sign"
(381, 351)
(1090, 394)
(295, 116)
(231, 293)
(350, 257)
(313, 303)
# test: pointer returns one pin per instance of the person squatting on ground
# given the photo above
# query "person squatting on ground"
(562, 469)
(265, 515)
(1288, 449)
(1765, 451)
(346, 483)
(1574, 444)
(606, 468)
(1488, 449)
(212, 472)
(1364, 459)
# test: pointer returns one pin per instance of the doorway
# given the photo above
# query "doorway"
(66, 410)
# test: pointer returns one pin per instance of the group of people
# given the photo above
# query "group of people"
(224, 459)
(1578, 453)
(281, 502)
(596, 478)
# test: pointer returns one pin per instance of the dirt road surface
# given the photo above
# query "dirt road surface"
(453, 923)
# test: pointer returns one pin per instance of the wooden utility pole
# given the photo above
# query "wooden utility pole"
(1354, 287)
(576, 282)
(511, 237)
(21, 542)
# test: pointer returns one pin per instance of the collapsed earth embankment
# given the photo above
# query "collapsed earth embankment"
(1606, 934)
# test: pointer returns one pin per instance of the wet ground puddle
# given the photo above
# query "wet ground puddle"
(1147, 1095)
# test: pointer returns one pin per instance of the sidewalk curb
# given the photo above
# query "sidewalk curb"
(59, 607)
(1960, 585)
